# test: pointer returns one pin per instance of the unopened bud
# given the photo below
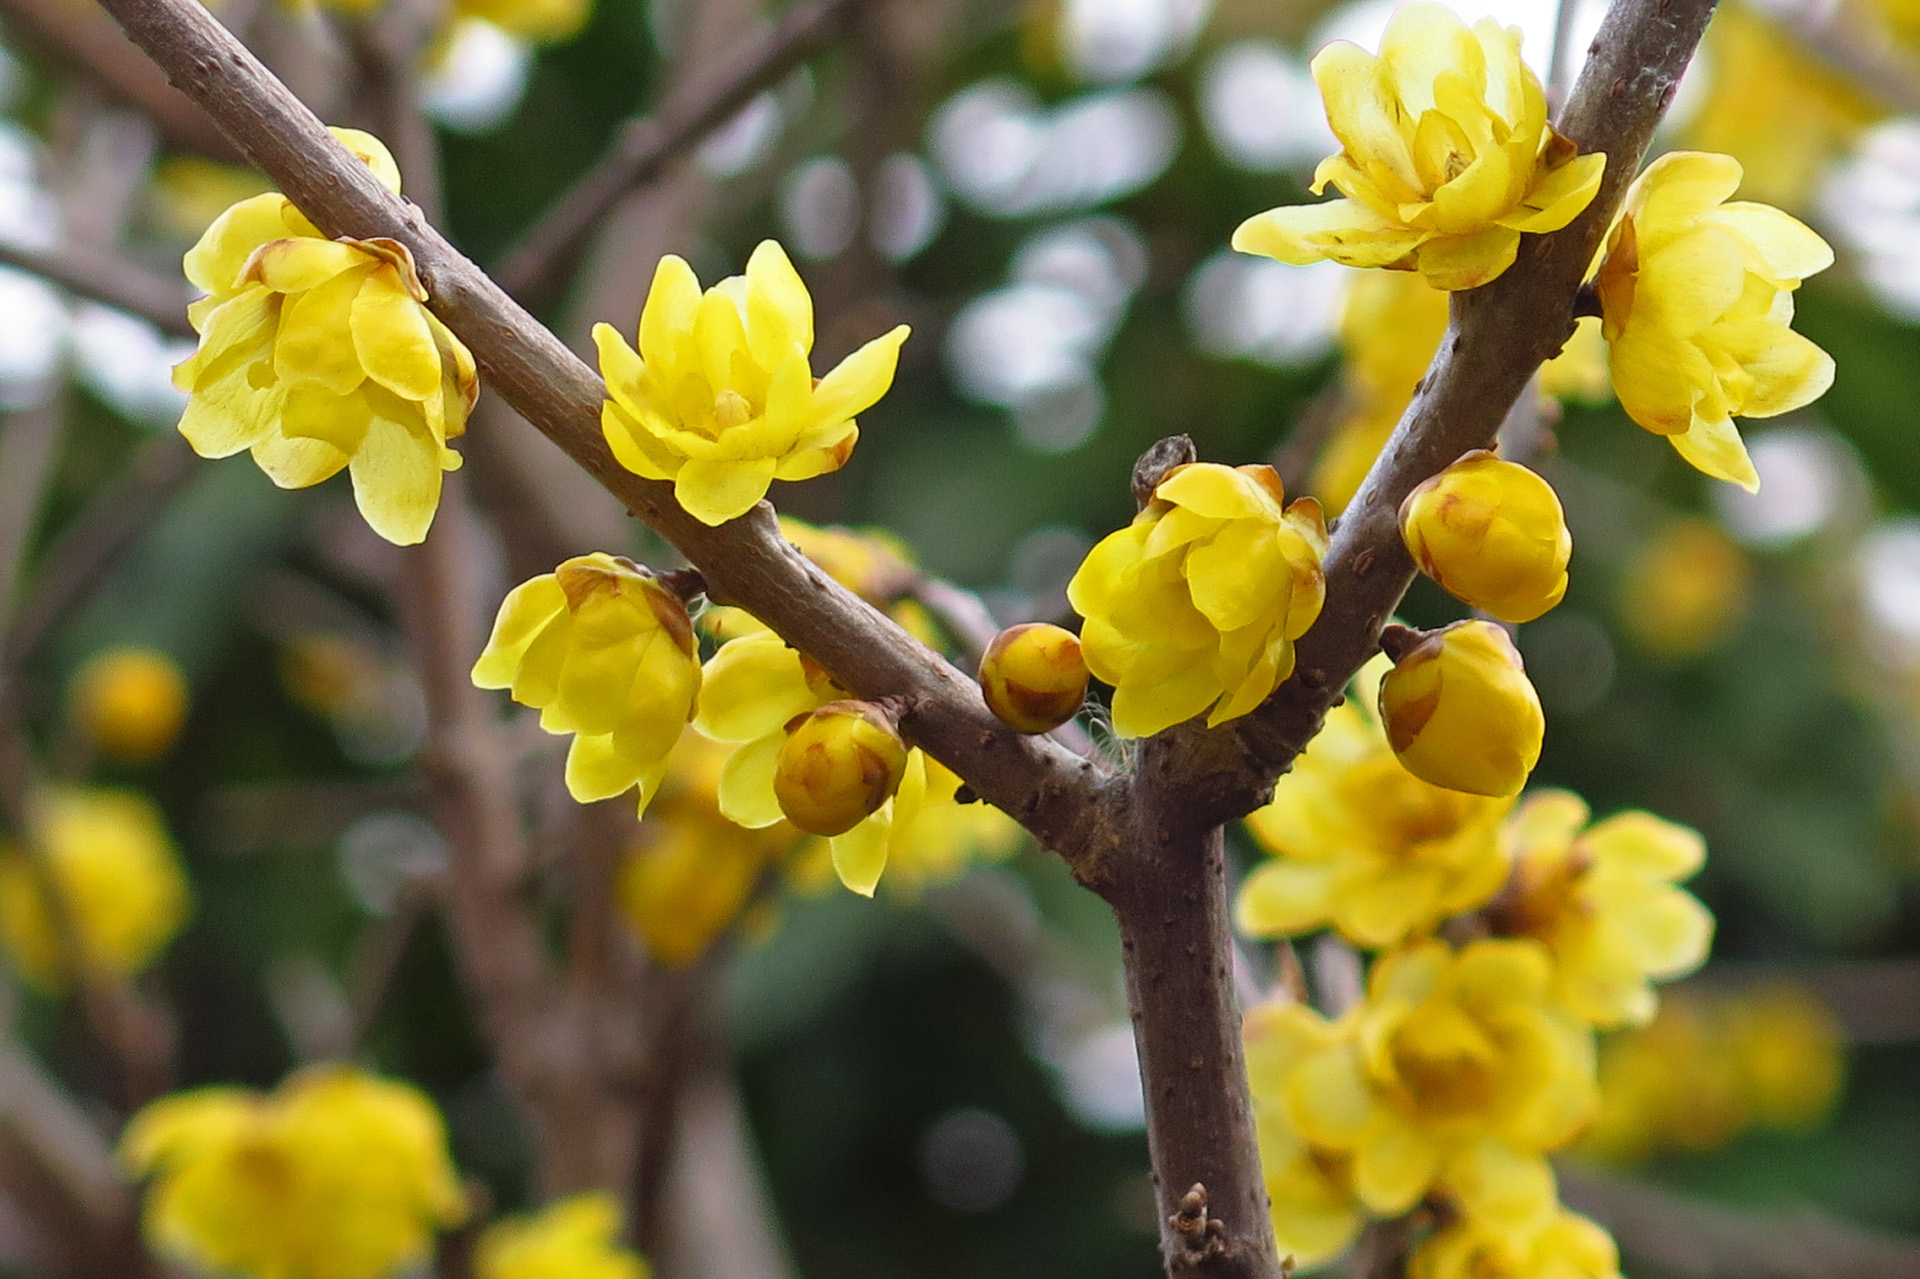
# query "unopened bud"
(1493, 534)
(1460, 712)
(1034, 677)
(839, 764)
(130, 702)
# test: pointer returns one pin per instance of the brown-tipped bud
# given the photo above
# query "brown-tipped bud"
(1460, 713)
(1034, 677)
(839, 764)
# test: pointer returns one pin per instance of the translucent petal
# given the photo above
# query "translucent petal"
(215, 262)
(1346, 231)
(296, 265)
(391, 336)
(1645, 846)
(1364, 113)
(779, 309)
(315, 341)
(634, 447)
(1393, 1167)
(1558, 197)
(860, 855)
(311, 411)
(597, 769)
(1328, 1099)
(752, 687)
(396, 479)
(527, 610)
(857, 382)
(672, 302)
(296, 463)
(1715, 448)
(1468, 261)
(1790, 248)
(746, 783)
(1676, 190)
(715, 492)
(1424, 41)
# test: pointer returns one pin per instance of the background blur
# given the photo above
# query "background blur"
(941, 1082)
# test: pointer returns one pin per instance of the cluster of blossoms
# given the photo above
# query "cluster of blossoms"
(1463, 1065)
(338, 1174)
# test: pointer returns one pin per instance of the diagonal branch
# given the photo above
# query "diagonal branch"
(646, 146)
(111, 279)
(1499, 334)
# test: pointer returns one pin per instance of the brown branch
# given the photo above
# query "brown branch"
(1499, 334)
(109, 278)
(1696, 1240)
(646, 146)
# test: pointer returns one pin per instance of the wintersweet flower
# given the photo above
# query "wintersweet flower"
(606, 652)
(1492, 534)
(108, 854)
(1460, 712)
(130, 702)
(573, 1238)
(1696, 296)
(839, 764)
(753, 687)
(1195, 605)
(1446, 156)
(1603, 899)
(1360, 843)
(1034, 677)
(721, 399)
(1457, 1072)
(335, 1175)
(689, 872)
(1309, 1189)
(319, 355)
(1568, 1246)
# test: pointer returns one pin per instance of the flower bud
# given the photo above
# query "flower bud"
(1460, 712)
(1034, 677)
(130, 703)
(839, 764)
(1493, 534)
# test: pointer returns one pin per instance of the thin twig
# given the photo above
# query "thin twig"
(109, 278)
(646, 146)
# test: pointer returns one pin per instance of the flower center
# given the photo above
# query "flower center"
(730, 408)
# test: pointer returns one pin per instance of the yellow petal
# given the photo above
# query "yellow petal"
(715, 492)
(860, 855)
(779, 310)
(396, 479)
(296, 463)
(672, 302)
(231, 404)
(1677, 189)
(527, 610)
(1284, 897)
(1364, 113)
(215, 263)
(633, 447)
(597, 769)
(857, 382)
(1454, 262)
(1422, 42)
(1346, 231)
(1559, 196)
(371, 152)
(746, 792)
(1791, 249)
(313, 412)
(1715, 448)
(315, 340)
(1393, 1167)
(393, 340)
(751, 688)
(296, 265)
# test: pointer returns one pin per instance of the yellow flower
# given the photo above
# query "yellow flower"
(109, 855)
(336, 1175)
(1569, 1246)
(1686, 588)
(1460, 713)
(1603, 899)
(320, 354)
(1790, 1053)
(605, 652)
(721, 399)
(1492, 533)
(1195, 605)
(690, 872)
(130, 702)
(1696, 296)
(1361, 843)
(1309, 1189)
(535, 21)
(755, 685)
(1446, 158)
(572, 1238)
(1456, 1072)
(838, 765)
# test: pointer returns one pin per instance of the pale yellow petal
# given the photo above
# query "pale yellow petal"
(715, 492)
(1345, 231)
(396, 479)
(393, 340)
(1716, 449)
(857, 382)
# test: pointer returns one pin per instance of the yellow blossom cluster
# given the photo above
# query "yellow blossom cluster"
(1507, 931)
(1710, 1067)
(1194, 607)
(337, 1174)
(320, 355)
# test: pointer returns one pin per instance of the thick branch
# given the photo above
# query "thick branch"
(745, 562)
(1499, 334)
(648, 145)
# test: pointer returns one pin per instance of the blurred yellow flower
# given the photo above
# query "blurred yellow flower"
(1361, 843)
(604, 652)
(721, 399)
(690, 872)
(1603, 900)
(1309, 1189)
(1696, 296)
(108, 855)
(1195, 605)
(1790, 1052)
(535, 21)
(1457, 1072)
(335, 1175)
(320, 354)
(573, 1238)
(871, 562)
(1492, 533)
(190, 191)
(1460, 712)
(1568, 1246)
(129, 702)
(1446, 155)
(1686, 588)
